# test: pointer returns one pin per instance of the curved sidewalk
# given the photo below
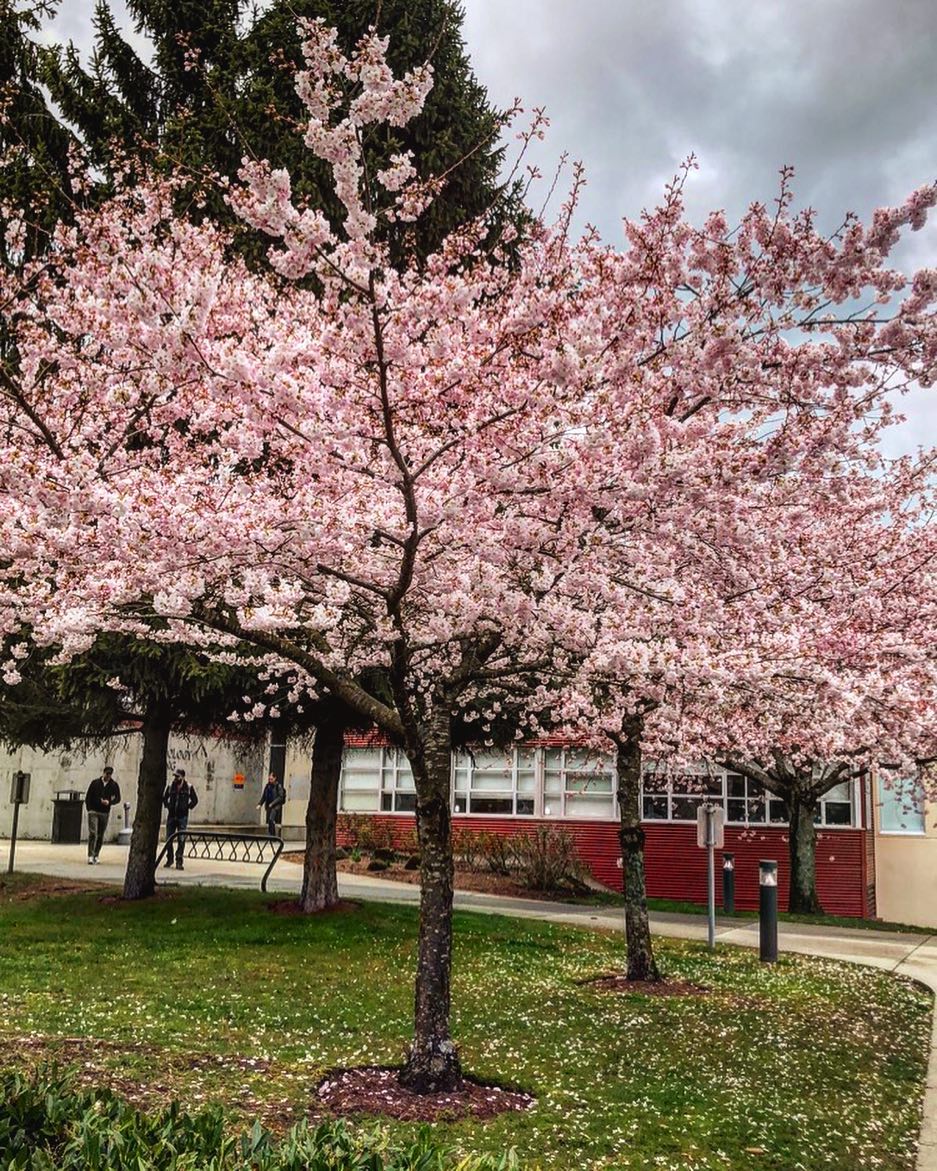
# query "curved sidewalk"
(914, 956)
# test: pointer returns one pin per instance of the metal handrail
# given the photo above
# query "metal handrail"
(212, 844)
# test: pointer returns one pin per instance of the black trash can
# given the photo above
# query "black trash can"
(67, 812)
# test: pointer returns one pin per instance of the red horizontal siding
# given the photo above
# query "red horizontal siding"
(676, 866)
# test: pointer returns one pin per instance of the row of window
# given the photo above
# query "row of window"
(569, 783)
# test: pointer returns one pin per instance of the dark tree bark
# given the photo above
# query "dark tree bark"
(433, 1063)
(802, 849)
(140, 877)
(628, 759)
(320, 880)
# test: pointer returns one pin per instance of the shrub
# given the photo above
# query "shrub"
(497, 852)
(407, 843)
(347, 828)
(374, 835)
(47, 1125)
(547, 860)
(465, 848)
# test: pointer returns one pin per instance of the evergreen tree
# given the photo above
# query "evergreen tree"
(34, 145)
(221, 86)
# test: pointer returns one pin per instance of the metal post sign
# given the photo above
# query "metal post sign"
(19, 791)
(19, 795)
(710, 826)
(710, 836)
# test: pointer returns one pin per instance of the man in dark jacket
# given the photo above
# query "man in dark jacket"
(178, 798)
(103, 792)
(274, 795)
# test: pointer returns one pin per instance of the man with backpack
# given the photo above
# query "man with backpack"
(273, 798)
(179, 798)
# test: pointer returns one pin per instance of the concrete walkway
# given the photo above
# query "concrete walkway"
(909, 955)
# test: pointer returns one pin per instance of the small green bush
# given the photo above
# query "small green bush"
(48, 1125)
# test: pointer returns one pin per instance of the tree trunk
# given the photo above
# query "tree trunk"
(433, 1063)
(320, 880)
(641, 965)
(140, 878)
(802, 845)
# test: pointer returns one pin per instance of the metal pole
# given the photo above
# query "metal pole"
(728, 883)
(768, 911)
(16, 817)
(711, 871)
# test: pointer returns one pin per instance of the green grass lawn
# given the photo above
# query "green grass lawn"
(209, 997)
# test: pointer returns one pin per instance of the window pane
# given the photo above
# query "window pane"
(778, 812)
(838, 813)
(588, 783)
(588, 806)
(352, 779)
(405, 802)
(842, 792)
(902, 805)
(736, 809)
(655, 808)
(756, 809)
(526, 781)
(368, 759)
(357, 801)
(525, 806)
(685, 808)
(460, 803)
(491, 804)
(492, 782)
(735, 785)
(553, 787)
(361, 768)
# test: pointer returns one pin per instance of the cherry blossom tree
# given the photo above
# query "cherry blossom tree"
(449, 474)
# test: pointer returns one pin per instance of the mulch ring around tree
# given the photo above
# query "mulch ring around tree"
(292, 907)
(374, 1090)
(615, 982)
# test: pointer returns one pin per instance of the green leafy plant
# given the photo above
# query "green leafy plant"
(48, 1125)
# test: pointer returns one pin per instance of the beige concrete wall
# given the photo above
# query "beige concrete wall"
(906, 872)
(297, 775)
(210, 764)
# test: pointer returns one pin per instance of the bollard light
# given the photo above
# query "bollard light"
(728, 883)
(768, 911)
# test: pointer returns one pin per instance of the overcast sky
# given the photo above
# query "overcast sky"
(845, 90)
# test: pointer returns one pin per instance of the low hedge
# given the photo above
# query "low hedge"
(46, 1124)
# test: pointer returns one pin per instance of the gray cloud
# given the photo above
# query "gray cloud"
(845, 90)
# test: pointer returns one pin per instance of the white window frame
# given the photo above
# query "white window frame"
(722, 800)
(568, 794)
(464, 766)
(392, 764)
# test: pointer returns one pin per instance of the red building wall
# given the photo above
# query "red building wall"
(676, 866)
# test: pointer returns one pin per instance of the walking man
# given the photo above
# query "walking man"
(273, 798)
(179, 798)
(103, 792)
